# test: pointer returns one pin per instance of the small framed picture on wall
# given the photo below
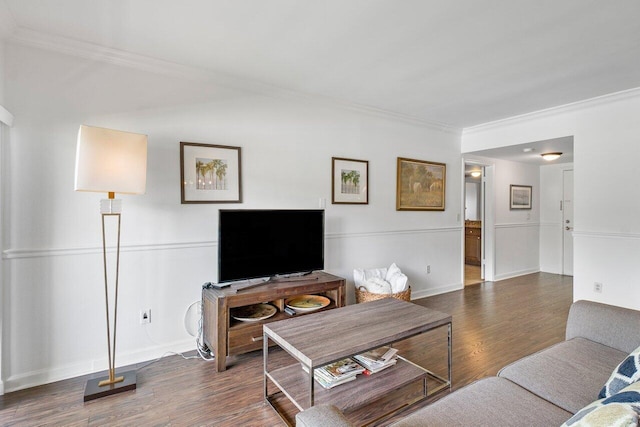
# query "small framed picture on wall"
(210, 173)
(520, 197)
(349, 181)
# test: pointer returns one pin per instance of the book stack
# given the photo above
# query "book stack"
(337, 373)
(378, 359)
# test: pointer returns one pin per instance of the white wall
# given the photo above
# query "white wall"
(54, 326)
(517, 231)
(606, 149)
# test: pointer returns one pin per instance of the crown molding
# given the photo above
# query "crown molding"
(94, 52)
(7, 21)
(566, 108)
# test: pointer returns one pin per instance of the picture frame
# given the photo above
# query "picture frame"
(520, 197)
(349, 181)
(210, 173)
(420, 185)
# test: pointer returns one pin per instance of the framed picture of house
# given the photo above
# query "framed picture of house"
(210, 173)
(421, 185)
(349, 181)
(520, 197)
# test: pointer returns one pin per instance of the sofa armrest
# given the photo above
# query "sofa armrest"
(322, 416)
(609, 325)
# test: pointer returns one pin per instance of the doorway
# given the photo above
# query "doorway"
(474, 207)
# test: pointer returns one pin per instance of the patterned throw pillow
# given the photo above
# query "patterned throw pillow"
(627, 372)
(621, 409)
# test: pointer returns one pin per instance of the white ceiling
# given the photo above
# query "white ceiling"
(455, 62)
(530, 152)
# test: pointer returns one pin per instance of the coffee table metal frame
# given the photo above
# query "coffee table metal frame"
(285, 377)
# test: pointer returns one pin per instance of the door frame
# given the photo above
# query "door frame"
(564, 171)
(6, 121)
(487, 216)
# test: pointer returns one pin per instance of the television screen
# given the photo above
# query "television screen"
(262, 243)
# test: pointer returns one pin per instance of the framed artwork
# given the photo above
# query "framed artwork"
(349, 181)
(210, 173)
(420, 185)
(520, 197)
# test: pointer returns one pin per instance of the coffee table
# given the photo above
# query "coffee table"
(318, 339)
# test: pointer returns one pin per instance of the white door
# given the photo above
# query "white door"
(567, 222)
(483, 228)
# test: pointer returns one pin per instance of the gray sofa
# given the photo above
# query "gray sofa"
(545, 388)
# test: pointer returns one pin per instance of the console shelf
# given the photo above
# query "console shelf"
(227, 336)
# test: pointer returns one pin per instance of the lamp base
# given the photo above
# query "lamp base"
(95, 391)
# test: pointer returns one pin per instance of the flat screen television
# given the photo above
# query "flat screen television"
(256, 243)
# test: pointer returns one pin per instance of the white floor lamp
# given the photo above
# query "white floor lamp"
(110, 161)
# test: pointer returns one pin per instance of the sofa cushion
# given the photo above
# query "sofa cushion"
(322, 415)
(489, 402)
(627, 372)
(569, 374)
(612, 326)
(621, 409)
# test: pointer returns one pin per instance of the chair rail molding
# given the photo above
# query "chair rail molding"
(21, 253)
(51, 252)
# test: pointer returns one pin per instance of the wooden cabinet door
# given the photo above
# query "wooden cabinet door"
(472, 247)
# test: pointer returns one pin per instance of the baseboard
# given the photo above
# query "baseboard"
(513, 274)
(435, 291)
(59, 373)
(1, 387)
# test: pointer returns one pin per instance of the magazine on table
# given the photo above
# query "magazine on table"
(378, 359)
(341, 368)
(330, 384)
(337, 373)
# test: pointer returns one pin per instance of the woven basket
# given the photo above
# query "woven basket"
(362, 295)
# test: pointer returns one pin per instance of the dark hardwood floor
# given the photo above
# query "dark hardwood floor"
(493, 325)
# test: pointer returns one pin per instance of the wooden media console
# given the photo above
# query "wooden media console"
(226, 336)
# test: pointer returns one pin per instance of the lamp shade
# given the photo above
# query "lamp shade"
(111, 161)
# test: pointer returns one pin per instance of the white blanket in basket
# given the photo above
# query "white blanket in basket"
(381, 280)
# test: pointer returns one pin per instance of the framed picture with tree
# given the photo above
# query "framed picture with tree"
(349, 181)
(421, 185)
(210, 173)
(520, 196)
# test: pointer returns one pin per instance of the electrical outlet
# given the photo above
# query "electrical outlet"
(145, 316)
(428, 269)
(597, 287)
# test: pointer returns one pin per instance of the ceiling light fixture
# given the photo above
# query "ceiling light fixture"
(476, 174)
(551, 156)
